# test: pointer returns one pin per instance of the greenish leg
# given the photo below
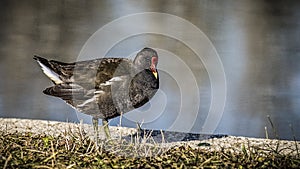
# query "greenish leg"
(106, 130)
(95, 125)
(139, 129)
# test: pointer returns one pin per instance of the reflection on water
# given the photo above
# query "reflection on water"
(258, 43)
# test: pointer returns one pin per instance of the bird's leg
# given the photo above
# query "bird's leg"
(95, 125)
(106, 129)
(120, 123)
(139, 130)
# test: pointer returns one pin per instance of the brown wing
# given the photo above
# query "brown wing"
(80, 82)
(88, 74)
(91, 74)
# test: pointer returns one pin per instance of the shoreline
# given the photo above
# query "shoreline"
(164, 139)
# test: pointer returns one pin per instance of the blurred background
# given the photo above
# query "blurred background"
(257, 42)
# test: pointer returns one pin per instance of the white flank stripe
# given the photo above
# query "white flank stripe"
(52, 75)
(107, 83)
(114, 79)
(86, 102)
(99, 92)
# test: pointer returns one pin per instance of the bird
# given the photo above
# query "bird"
(106, 87)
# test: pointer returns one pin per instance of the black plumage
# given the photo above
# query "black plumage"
(104, 88)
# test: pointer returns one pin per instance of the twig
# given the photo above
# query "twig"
(7, 160)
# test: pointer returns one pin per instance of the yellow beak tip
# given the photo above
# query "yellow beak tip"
(155, 74)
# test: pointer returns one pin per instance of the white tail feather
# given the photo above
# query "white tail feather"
(52, 75)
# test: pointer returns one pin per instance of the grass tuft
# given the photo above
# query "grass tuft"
(78, 150)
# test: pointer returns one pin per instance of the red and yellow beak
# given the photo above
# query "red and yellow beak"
(153, 66)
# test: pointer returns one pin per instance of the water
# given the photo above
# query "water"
(257, 42)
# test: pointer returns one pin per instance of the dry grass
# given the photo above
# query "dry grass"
(78, 150)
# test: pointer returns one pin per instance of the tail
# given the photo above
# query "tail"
(48, 69)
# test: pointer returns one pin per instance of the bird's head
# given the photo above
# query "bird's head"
(147, 58)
